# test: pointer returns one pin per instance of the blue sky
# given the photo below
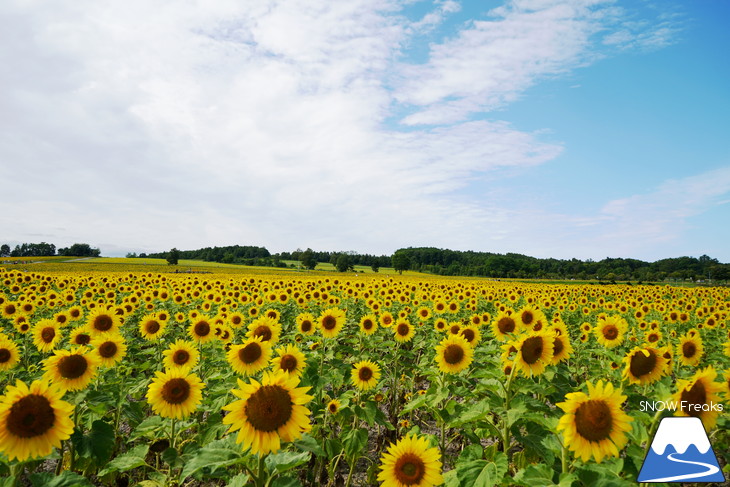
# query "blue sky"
(581, 128)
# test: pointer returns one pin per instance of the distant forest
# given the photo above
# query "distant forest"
(432, 260)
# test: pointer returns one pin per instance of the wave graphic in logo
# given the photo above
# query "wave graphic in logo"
(681, 452)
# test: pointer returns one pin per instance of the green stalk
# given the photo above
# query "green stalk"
(505, 426)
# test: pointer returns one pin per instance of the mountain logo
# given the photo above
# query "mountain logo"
(681, 452)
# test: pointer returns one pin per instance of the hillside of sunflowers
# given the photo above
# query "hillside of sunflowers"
(271, 378)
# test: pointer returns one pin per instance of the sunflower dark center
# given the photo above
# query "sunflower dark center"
(202, 328)
(593, 420)
(103, 323)
(250, 353)
(236, 320)
(455, 329)
(306, 326)
(176, 391)
(468, 334)
(264, 332)
(269, 408)
(403, 329)
(409, 469)
(653, 337)
(48, 334)
(108, 349)
(532, 349)
(31, 416)
(180, 357)
(61, 319)
(387, 320)
(333, 407)
(152, 327)
(641, 364)
(537, 326)
(365, 374)
(4, 355)
(689, 350)
(10, 309)
(329, 322)
(289, 363)
(697, 396)
(72, 366)
(527, 317)
(610, 332)
(367, 324)
(83, 339)
(558, 346)
(506, 325)
(453, 354)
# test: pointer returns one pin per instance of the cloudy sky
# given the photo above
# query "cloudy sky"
(581, 128)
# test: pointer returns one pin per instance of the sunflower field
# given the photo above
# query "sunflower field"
(159, 379)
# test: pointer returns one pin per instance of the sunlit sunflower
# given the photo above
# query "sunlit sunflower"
(412, 461)
(265, 328)
(181, 355)
(562, 348)
(236, 320)
(201, 329)
(250, 356)
(594, 424)
(386, 319)
(610, 331)
(690, 350)
(453, 354)
(653, 336)
(110, 348)
(333, 407)
(504, 325)
(331, 322)
(102, 321)
(306, 323)
(644, 365)
(472, 335)
(268, 412)
(368, 324)
(423, 313)
(151, 327)
(697, 395)
(9, 355)
(528, 316)
(175, 393)
(46, 335)
(10, 309)
(365, 375)
(440, 324)
(79, 336)
(72, 370)
(534, 351)
(727, 384)
(33, 420)
(290, 359)
(403, 331)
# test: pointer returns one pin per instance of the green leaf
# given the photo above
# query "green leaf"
(307, 443)
(355, 441)
(286, 482)
(451, 479)
(170, 456)
(147, 428)
(240, 480)
(132, 459)
(281, 462)
(474, 413)
(98, 444)
(218, 454)
(333, 447)
(539, 474)
(482, 473)
(65, 479)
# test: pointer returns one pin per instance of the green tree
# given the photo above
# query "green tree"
(375, 267)
(308, 260)
(5, 250)
(173, 256)
(401, 261)
(344, 263)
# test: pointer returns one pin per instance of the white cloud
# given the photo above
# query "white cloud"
(139, 126)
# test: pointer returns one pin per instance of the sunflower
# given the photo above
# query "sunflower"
(8, 354)
(9, 309)
(423, 313)
(365, 375)
(504, 325)
(334, 406)
(562, 349)
(368, 324)
(412, 461)
(453, 354)
(33, 420)
(403, 331)
(201, 329)
(690, 350)
(268, 412)
(151, 327)
(386, 319)
(250, 356)
(305, 323)
(80, 336)
(265, 328)
(72, 370)
(472, 335)
(175, 393)
(290, 359)
(181, 355)
(697, 395)
(110, 348)
(594, 424)
(610, 331)
(528, 317)
(644, 365)
(440, 324)
(534, 351)
(236, 320)
(331, 322)
(46, 335)
(102, 321)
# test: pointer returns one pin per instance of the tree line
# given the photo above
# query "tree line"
(44, 249)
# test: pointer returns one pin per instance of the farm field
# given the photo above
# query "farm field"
(116, 374)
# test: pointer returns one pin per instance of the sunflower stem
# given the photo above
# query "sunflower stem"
(172, 433)
(353, 462)
(261, 476)
(505, 423)
(16, 471)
